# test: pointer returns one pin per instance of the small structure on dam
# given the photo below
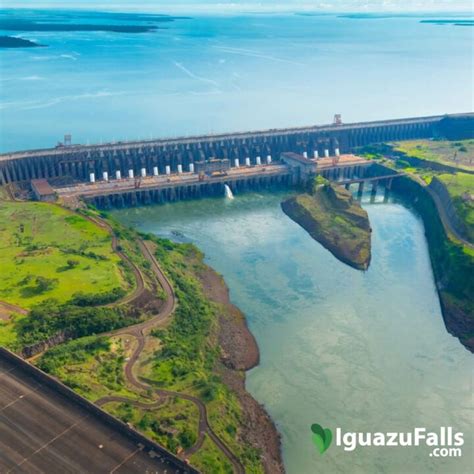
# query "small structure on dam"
(42, 190)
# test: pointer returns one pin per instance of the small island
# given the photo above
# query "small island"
(335, 219)
(13, 42)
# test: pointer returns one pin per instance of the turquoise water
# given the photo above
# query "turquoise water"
(361, 351)
(227, 73)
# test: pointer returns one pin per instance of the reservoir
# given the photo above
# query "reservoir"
(225, 73)
(363, 351)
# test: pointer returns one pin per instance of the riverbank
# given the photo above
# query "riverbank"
(175, 343)
(332, 339)
(335, 219)
(452, 262)
(239, 353)
(439, 185)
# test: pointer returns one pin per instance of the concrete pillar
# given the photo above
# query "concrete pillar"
(326, 153)
(143, 172)
(155, 171)
(247, 161)
(336, 152)
(258, 160)
(269, 159)
(316, 154)
(361, 188)
(92, 177)
(130, 174)
(347, 186)
(191, 167)
(305, 154)
(236, 163)
(167, 169)
(105, 176)
(118, 174)
(180, 169)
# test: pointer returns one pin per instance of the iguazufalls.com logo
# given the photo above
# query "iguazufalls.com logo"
(444, 443)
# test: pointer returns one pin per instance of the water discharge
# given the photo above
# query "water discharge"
(365, 351)
(228, 192)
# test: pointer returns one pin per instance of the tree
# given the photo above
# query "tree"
(44, 284)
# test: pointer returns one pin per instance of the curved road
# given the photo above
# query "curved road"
(139, 332)
(443, 214)
(446, 220)
(140, 288)
(113, 398)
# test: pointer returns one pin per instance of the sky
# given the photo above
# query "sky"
(252, 5)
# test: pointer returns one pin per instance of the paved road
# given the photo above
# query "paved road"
(43, 431)
(140, 282)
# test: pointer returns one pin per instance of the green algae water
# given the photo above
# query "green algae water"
(339, 347)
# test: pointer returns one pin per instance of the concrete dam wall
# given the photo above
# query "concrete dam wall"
(128, 159)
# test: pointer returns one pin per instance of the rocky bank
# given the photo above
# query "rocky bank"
(335, 219)
(239, 352)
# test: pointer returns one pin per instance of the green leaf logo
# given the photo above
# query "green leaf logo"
(322, 437)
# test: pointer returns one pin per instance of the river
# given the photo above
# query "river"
(339, 347)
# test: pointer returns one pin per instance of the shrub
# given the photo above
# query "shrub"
(82, 299)
(50, 318)
(71, 263)
(44, 284)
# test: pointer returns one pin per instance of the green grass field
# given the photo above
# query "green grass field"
(458, 154)
(49, 252)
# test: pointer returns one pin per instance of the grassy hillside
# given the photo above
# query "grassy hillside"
(49, 252)
(457, 154)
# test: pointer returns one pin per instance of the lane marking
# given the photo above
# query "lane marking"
(21, 397)
(130, 456)
(49, 442)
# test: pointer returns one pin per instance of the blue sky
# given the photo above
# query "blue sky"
(253, 5)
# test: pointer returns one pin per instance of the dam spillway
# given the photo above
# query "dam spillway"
(84, 163)
(217, 178)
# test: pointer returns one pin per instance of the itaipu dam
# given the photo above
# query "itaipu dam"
(141, 172)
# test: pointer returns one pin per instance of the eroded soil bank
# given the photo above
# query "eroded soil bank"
(239, 352)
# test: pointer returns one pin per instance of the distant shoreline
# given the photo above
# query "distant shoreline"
(13, 42)
(58, 27)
